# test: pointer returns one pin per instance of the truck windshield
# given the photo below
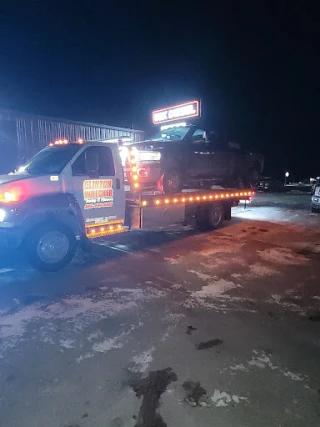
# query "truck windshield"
(172, 134)
(50, 160)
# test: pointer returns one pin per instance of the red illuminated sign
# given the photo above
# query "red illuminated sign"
(186, 110)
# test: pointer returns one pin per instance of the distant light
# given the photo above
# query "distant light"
(287, 174)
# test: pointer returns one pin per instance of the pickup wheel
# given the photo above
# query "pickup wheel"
(172, 181)
(50, 247)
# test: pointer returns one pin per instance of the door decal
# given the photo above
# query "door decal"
(98, 193)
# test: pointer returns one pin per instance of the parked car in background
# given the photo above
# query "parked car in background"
(268, 184)
(181, 156)
(315, 184)
(315, 199)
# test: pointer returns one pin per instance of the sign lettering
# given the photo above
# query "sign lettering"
(98, 193)
(177, 112)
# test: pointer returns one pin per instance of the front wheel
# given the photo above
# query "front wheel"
(50, 247)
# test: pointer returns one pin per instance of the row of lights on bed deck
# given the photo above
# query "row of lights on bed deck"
(200, 198)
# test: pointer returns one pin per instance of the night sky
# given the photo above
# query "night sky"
(254, 65)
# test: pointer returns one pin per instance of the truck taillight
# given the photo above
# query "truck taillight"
(143, 172)
(10, 196)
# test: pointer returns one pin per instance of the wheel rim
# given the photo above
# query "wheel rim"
(216, 215)
(53, 247)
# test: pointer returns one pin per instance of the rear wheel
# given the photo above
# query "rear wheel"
(172, 181)
(50, 247)
(211, 217)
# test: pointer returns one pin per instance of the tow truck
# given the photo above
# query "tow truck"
(71, 193)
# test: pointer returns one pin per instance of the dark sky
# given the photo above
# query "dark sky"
(255, 65)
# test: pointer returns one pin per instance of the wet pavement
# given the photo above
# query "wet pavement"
(172, 329)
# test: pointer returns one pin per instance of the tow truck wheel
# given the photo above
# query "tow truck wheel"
(172, 181)
(50, 247)
(216, 216)
(211, 218)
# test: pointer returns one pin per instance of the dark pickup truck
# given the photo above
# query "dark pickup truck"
(187, 156)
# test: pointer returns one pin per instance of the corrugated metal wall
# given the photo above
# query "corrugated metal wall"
(35, 132)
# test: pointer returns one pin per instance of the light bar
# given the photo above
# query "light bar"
(133, 166)
(104, 230)
(196, 198)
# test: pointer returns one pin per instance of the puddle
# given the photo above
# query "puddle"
(205, 345)
(150, 389)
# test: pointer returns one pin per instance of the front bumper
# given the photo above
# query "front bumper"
(10, 228)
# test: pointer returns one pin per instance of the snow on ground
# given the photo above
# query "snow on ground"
(77, 312)
(259, 270)
(222, 399)
(282, 256)
(213, 289)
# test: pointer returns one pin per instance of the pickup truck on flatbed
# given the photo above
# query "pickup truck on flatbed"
(71, 192)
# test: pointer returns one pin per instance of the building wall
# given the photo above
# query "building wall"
(21, 135)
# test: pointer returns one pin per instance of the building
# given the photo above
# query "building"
(22, 135)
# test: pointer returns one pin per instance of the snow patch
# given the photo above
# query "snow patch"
(222, 399)
(239, 367)
(174, 261)
(142, 361)
(68, 344)
(204, 277)
(262, 361)
(282, 256)
(236, 275)
(214, 289)
(293, 376)
(82, 357)
(260, 270)
(5, 270)
(108, 344)
(77, 313)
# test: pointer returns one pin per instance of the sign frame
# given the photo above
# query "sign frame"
(197, 112)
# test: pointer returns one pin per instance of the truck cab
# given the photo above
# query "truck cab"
(66, 192)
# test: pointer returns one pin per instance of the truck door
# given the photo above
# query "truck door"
(98, 186)
(200, 162)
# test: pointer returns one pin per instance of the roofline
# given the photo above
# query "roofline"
(19, 114)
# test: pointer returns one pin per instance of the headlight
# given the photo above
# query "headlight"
(2, 215)
(148, 156)
(124, 154)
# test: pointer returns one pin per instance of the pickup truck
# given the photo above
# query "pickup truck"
(181, 156)
(70, 193)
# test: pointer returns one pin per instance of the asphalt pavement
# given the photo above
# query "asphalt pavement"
(170, 327)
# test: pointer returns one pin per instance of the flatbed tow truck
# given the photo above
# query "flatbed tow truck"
(71, 193)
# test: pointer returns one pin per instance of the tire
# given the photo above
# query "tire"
(215, 216)
(314, 210)
(50, 247)
(172, 181)
(211, 218)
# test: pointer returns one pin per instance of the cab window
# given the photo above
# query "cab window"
(94, 162)
(198, 136)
